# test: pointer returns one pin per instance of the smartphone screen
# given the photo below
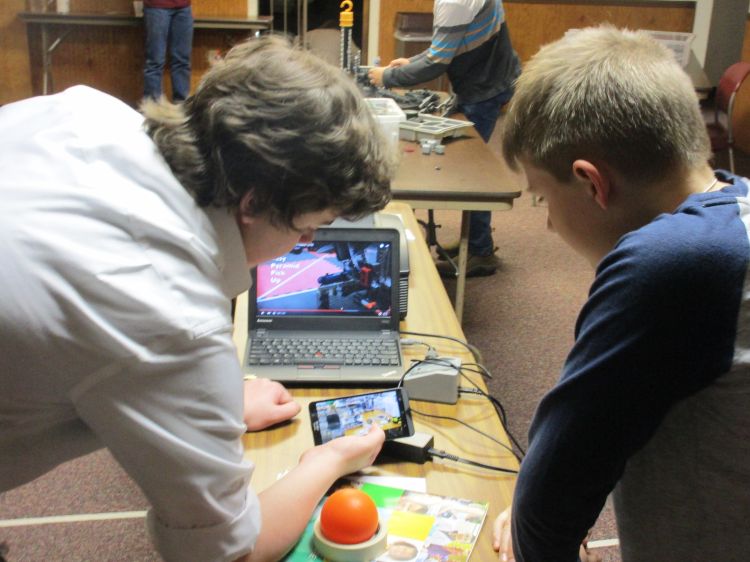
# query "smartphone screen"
(353, 415)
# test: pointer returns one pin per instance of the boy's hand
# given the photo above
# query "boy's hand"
(375, 74)
(395, 63)
(502, 540)
(267, 403)
(350, 453)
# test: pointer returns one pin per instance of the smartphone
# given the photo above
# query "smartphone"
(353, 415)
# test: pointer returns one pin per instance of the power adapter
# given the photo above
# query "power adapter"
(434, 380)
(418, 449)
(411, 449)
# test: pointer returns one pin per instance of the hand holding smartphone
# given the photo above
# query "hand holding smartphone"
(353, 415)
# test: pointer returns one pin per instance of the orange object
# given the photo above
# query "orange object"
(349, 516)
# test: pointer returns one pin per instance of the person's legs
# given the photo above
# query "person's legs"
(180, 50)
(480, 234)
(156, 29)
(484, 115)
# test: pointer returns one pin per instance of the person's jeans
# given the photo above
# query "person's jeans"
(173, 28)
(484, 115)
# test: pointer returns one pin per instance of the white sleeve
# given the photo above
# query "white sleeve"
(175, 426)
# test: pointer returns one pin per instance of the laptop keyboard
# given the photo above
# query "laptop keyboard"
(321, 352)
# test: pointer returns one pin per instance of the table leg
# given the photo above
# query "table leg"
(463, 256)
(430, 236)
(47, 51)
(46, 56)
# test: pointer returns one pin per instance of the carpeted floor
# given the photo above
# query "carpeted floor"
(522, 320)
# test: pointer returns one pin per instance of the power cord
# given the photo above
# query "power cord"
(432, 358)
(477, 367)
(468, 426)
(472, 348)
(448, 456)
(412, 341)
(419, 449)
(500, 409)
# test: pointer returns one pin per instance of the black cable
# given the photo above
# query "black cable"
(496, 403)
(471, 427)
(481, 369)
(503, 418)
(501, 411)
(407, 341)
(429, 360)
(444, 455)
(472, 348)
(479, 392)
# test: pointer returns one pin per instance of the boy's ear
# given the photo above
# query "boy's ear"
(246, 210)
(599, 179)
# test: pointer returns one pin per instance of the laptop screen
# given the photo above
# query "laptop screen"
(346, 278)
(327, 278)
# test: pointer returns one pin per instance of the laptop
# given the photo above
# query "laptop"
(328, 311)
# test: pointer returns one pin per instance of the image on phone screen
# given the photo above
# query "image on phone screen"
(353, 415)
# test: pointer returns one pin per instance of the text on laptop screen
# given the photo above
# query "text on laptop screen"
(327, 278)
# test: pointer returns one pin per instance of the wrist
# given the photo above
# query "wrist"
(324, 458)
(385, 75)
(326, 461)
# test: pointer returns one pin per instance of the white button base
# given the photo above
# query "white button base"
(359, 552)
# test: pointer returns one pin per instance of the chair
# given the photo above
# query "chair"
(720, 129)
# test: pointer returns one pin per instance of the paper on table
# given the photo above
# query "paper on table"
(419, 524)
(404, 482)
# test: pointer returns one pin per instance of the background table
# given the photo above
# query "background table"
(429, 311)
(60, 24)
(468, 177)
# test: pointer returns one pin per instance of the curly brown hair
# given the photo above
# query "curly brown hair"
(278, 121)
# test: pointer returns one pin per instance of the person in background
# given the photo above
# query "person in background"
(124, 239)
(168, 25)
(471, 44)
(653, 403)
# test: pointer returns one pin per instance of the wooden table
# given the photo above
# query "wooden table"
(56, 26)
(429, 311)
(468, 177)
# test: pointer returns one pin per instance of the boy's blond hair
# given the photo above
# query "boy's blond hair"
(611, 95)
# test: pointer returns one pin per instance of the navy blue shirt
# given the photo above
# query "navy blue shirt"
(660, 326)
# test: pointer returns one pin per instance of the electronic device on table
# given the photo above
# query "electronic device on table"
(353, 415)
(328, 311)
(388, 220)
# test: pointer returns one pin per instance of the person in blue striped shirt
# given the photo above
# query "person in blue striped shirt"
(471, 45)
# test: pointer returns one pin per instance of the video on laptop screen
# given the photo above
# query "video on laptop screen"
(326, 278)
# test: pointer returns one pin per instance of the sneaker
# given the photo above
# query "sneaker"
(476, 266)
(451, 250)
